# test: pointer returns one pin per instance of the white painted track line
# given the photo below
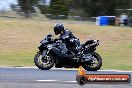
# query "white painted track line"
(72, 69)
(46, 80)
(56, 81)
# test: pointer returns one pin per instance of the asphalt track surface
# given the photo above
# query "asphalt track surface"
(54, 78)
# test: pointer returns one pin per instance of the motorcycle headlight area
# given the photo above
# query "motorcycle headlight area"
(96, 41)
(39, 44)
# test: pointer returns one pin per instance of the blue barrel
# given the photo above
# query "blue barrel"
(103, 20)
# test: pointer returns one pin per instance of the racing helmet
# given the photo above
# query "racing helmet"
(58, 28)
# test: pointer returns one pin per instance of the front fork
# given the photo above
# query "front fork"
(45, 53)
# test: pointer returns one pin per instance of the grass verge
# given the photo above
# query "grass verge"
(19, 40)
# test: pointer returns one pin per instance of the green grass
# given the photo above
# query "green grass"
(16, 59)
(19, 40)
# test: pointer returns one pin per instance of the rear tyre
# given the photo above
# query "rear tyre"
(95, 64)
(43, 63)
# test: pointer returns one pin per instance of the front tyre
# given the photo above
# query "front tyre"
(95, 64)
(45, 63)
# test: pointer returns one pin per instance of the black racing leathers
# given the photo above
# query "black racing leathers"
(70, 40)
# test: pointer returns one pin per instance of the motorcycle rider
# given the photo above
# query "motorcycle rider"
(72, 43)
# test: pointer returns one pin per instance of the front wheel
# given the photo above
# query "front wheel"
(95, 64)
(45, 63)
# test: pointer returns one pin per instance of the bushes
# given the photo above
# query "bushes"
(43, 9)
(58, 7)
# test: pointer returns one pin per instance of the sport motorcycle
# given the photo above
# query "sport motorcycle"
(53, 53)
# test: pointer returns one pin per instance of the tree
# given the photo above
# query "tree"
(58, 7)
(27, 6)
(104, 7)
(42, 5)
(74, 4)
(123, 4)
(99, 7)
(44, 9)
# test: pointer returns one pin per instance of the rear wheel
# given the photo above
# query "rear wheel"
(45, 63)
(95, 64)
